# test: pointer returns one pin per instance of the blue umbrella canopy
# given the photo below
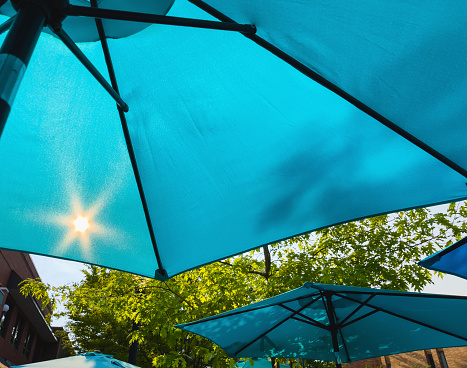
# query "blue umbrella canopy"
(317, 320)
(354, 109)
(452, 260)
(86, 360)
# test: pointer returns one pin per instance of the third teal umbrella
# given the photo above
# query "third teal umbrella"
(338, 323)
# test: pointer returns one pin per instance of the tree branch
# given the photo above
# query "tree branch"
(167, 288)
(251, 271)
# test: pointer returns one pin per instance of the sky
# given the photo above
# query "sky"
(59, 272)
(449, 284)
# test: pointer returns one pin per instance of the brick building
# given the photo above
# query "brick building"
(434, 358)
(25, 336)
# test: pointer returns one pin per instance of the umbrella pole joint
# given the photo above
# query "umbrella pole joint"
(161, 275)
(50, 8)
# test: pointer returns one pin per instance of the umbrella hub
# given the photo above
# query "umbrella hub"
(51, 8)
(83, 28)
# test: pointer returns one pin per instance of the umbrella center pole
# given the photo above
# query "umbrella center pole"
(333, 328)
(337, 359)
(18, 46)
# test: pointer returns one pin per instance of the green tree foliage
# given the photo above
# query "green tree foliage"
(378, 252)
(66, 347)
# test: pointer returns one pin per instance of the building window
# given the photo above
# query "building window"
(17, 331)
(37, 350)
(5, 320)
(442, 358)
(28, 342)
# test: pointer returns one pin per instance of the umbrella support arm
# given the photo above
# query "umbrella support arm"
(264, 334)
(5, 26)
(83, 11)
(15, 53)
(88, 65)
(160, 273)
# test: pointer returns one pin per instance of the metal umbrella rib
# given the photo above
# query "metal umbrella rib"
(5, 26)
(307, 319)
(311, 322)
(357, 309)
(160, 273)
(73, 10)
(359, 318)
(275, 326)
(90, 67)
(380, 309)
(314, 323)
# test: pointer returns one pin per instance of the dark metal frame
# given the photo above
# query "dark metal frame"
(45, 13)
(5, 26)
(52, 13)
(334, 327)
(249, 31)
(276, 325)
(83, 11)
(41, 12)
(160, 272)
(89, 66)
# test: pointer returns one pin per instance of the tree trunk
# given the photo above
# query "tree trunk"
(267, 262)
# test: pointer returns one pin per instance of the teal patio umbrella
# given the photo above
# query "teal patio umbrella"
(85, 360)
(338, 323)
(239, 123)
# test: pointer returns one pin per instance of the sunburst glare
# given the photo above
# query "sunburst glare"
(81, 224)
(84, 230)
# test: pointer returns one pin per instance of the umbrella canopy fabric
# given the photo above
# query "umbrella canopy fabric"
(363, 322)
(235, 147)
(452, 260)
(86, 360)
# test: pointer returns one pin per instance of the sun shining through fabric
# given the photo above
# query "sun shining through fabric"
(81, 224)
(67, 187)
(82, 228)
